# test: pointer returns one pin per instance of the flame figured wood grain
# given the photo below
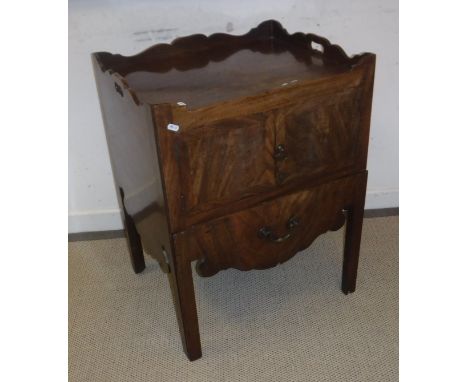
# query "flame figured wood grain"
(319, 135)
(226, 159)
(234, 241)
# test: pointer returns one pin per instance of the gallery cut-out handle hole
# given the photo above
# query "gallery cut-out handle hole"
(316, 46)
(118, 89)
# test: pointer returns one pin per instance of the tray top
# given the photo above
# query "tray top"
(198, 71)
(242, 74)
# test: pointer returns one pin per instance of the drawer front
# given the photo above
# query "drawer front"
(272, 232)
(318, 136)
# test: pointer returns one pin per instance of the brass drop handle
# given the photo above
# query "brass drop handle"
(268, 234)
(280, 152)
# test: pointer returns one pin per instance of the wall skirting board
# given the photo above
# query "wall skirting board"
(378, 199)
(94, 221)
(110, 219)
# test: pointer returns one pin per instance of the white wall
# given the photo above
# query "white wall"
(128, 27)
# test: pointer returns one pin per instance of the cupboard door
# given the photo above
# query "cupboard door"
(223, 160)
(318, 136)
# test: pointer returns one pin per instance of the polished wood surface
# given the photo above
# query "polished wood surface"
(236, 151)
(135, 163)
(319, 135)
(241, 74)
(234, 240)
(200, 70)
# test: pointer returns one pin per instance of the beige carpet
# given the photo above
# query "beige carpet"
(289, 323)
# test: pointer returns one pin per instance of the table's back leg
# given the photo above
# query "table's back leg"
(354, 221)
(133, 240)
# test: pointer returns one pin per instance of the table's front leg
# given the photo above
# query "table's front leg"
(180, 277)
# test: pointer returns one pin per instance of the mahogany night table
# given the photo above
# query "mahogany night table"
(236, 152)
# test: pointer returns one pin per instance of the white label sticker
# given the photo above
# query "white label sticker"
(173, 127)
(180, 103)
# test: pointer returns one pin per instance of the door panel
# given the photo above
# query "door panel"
(318, 136)
(226, 160)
